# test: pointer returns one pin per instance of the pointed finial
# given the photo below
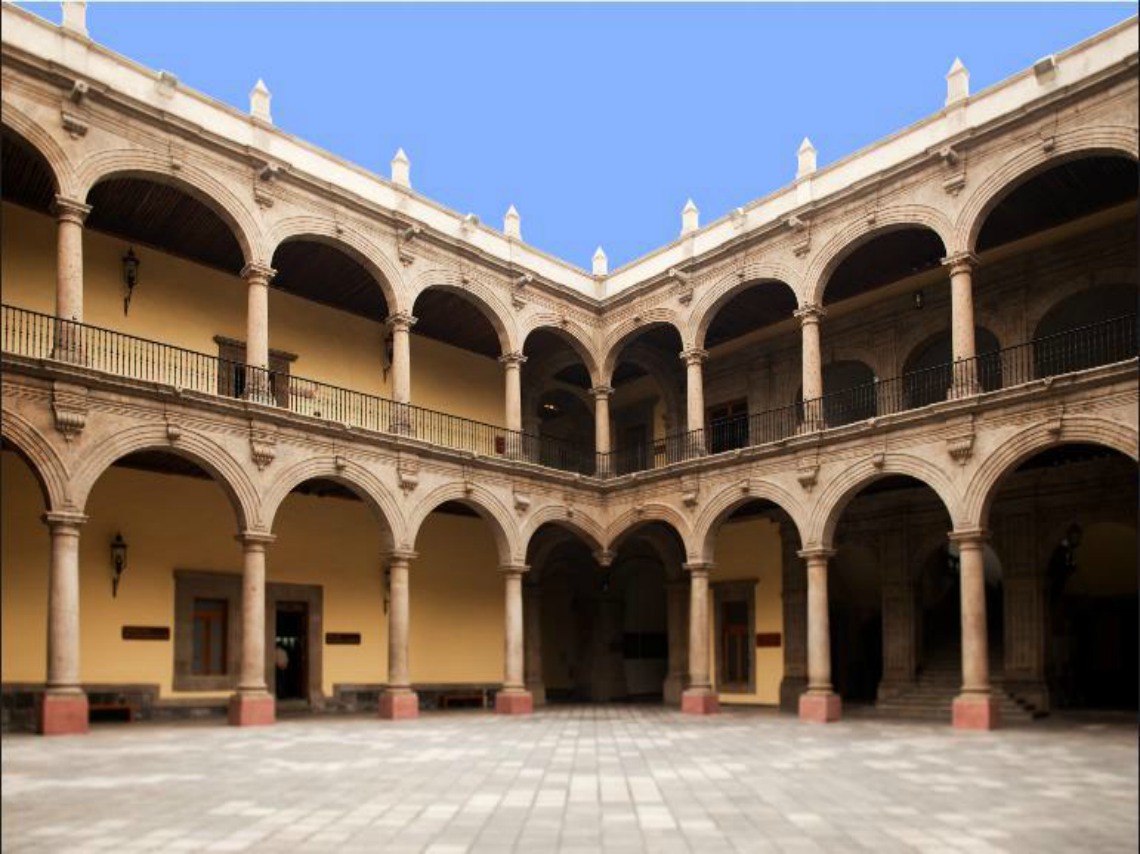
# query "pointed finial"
(259, 102)
(957, 83)
(805, 157)
(690, 218)
(512, 224)
(75, 16)
(401, 169)
(601, 264)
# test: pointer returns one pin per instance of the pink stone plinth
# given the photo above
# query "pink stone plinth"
(975, 712)
(514, 703)
(63, 714)
(820, 708)
(399, 705)
(699, 703)
(252, 710)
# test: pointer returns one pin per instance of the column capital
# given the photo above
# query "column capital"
(262, 538)
(255, 273)
(810, 313)
(816, 553)
(401, 320)
(70, 210)
(698, 567)
(512, 360)
(694, 356)
(64, 519)
(604, 558)
(602, 391)
(401, 556)
(513, 569)
(969, 537)
(960, 262)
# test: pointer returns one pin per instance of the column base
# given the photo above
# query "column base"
(249, 709)
(699, 701)
(820, 708)
(975, 711)
(399, 705)
(63, 714)
(514, 703)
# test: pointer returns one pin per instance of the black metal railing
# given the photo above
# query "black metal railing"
(40, 336)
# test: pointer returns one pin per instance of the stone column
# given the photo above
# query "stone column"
(532, 618)
(975, 707)
(257, 278)
(401, 324)
(71, 215)
(812, 364)
(794, 580)
(398, 701)
(513, 698)
(699, 698)
(602, 395)
(512, 369)
(63, 709)
(820, 704)
(964, 381)
(694, 359)
(252, 704)
(677, 619)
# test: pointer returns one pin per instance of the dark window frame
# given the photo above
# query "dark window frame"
(735, 592)
(192, 585)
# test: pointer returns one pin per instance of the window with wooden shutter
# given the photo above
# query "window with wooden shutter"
(232, 370)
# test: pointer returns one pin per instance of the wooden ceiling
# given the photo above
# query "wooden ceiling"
(325, 274)
(1066, 192)
(446, 316)
(762, 304)
(884, 259)
(25, 176)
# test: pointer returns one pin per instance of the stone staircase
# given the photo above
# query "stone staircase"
(931, 696)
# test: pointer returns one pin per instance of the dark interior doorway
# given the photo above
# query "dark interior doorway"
(291, 656)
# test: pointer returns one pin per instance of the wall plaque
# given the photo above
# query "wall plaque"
(768, 640)
(342, 638)
(146, 633)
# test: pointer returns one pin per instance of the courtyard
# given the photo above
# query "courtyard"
(574, 778)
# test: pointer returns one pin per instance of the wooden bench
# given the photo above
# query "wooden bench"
(130, 708)
(449, 698)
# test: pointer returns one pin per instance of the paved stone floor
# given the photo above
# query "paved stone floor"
(573, 779)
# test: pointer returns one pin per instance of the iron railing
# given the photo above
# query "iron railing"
(41, 336)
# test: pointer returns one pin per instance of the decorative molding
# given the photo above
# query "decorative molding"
(408, 473)
(690, 490)
(75, 126)
(262, 445)
(70, 406)
(522, 502)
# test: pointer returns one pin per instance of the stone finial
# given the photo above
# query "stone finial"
(805, 157)
(75, 16)
(601, 264)
(690, 218)
(259, 102)
(512, 224)
(401, 169)
(957, 83)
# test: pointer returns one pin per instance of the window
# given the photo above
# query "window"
(211, 621)
(232, 370)
(727, 426)
(735, 636)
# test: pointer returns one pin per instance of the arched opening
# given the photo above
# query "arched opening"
(28, 232)
(927, 371)
(1064, 525)
(453, 337)
(849, 393)
(555, 391)
(1087, 329)
(885, 259)
(26, 177)
(648, 403)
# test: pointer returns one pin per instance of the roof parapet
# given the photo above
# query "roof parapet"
(259, 99)
(401, 169)
(957, 83)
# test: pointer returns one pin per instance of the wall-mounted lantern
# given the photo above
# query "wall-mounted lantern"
(130, 276)
(118, 562)
(919, 300)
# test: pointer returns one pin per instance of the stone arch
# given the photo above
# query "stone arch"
(833, 500)
(859, 231)
(480, 294)
(571, 333)
(43, 459)
(630, 328)
(731, 498)
(203, 185)
(350, 474)
(1037, 308)
(580, 525)
(754, 274)
(199, 449)
(508, 543)
(634, 518)
(353, 243)
(1070, 145)
(659, 370)
(34, 134)
(986, 482)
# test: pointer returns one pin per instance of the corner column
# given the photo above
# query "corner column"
(699, 698)
(257, 278)
(512, 370)
(820, 704)
(70, 214)
(694, 360)
(63, 709)
(602, 394)
(810, 316)
(513, 698)
(252, 704)
(676, 600)
(401, 324)
(532, 618)
(975, 707)
(965, 379)
(398, 701)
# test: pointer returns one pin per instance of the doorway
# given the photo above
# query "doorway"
(291, 651)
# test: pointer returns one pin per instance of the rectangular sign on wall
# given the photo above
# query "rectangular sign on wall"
(146, 633)
(342, 638)
(768, 640)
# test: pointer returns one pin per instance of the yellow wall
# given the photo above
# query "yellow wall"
(181, 523)
(185, 304)
(751, 548)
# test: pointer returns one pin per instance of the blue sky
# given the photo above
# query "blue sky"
(596, 121)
